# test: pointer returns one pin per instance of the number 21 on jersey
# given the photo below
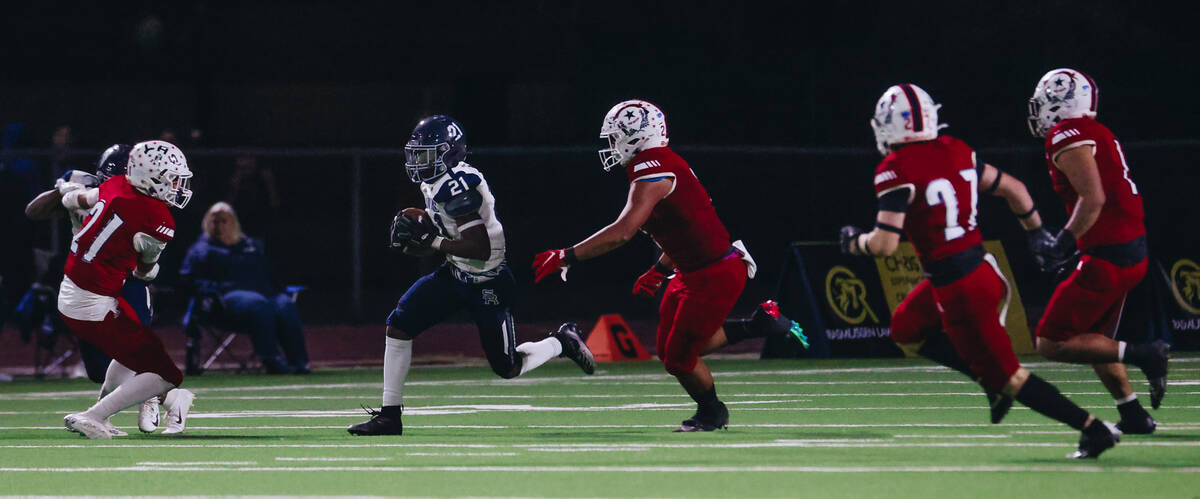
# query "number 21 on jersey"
(98, 242)
(941, 191)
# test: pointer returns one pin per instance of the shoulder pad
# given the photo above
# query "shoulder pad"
(465, 203)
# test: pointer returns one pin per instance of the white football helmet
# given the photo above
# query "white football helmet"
(630, 127)
(158, 169)
(1061, 94)
(905, 113)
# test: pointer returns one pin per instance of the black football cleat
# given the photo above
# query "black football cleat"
(385, 421)
(999, 404)
(574, 348)
(1137, 426)
(768, 317)
(1156, 372)
(1097, 438)
(703, 420)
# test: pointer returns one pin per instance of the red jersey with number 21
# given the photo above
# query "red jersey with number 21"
(1121, 217)
(943, 184)
(102, 253)
(685, 223)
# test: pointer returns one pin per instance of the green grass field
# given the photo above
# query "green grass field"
(828, 428)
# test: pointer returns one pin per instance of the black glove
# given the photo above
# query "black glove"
(1039, 240)
(846, 237)
(1056, 253)
(409, 233)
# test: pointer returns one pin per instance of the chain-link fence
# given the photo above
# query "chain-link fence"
(324, 215)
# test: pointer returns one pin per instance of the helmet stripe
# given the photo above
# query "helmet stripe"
(1095, 91)
(915, 104)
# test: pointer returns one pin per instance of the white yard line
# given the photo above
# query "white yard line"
(781, 443)
(636, 469)
(331, 459)
(198, 463)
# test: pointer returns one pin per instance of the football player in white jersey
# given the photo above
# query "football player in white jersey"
(462, 224)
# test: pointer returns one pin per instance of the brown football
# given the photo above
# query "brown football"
(422, 218)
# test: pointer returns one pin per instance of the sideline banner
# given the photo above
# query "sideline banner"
(845, 303)
(1178, 279)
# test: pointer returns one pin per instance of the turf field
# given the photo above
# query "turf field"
(829, 428)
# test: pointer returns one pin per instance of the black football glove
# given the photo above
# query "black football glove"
(846, 237)
(409, 233)
(1039, 240)
(1055, 254)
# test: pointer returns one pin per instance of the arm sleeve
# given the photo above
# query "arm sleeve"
(896, 199)
(148, 247)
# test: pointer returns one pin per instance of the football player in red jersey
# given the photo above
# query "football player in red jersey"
(1088, 169)
(667, 201)
(928, 188)
(126, 230)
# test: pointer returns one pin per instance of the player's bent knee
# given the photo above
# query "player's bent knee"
(397, 333)
(677, 367)
(1048, 348)
(506, 369)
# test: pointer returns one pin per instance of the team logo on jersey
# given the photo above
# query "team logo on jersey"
(847, 296)
(1185, 284)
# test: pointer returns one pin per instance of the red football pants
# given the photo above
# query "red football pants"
(694, 307)
(967, 309)
(127, 341)
(1090, 300)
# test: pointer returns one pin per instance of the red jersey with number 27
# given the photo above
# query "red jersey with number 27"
(685, 223)
(102, 253)
(942, 180)
(1121, 217)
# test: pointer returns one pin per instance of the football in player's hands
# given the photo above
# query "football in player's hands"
(412, 232)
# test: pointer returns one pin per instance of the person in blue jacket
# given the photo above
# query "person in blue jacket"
(225, 261)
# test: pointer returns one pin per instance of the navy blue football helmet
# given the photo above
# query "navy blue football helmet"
(113, 161)
(437, 143)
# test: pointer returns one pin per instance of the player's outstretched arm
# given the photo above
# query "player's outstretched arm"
(46, 206)
(996, 183)
(643, 196)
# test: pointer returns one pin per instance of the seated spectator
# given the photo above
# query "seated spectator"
(224, 260)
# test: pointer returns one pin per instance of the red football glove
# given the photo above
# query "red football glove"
(553, 261)
(649, 282)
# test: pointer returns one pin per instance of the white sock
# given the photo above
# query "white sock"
(116, 375)
(130, 393)
(397, 358)
(1120, 351)
(1130, 398)
(537, 353)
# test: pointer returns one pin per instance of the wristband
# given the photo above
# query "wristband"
(863, 247)
(1032, 210)
(996, 184)
(889, 228)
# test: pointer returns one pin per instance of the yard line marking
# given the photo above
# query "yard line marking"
(332, 459)
(466, 454)
(198, 463)
(955, 436)
(781, 443)
(644, 469)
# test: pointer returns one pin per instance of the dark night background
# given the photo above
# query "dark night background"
(769, 104)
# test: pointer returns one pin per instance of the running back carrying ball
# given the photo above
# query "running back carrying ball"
(411, 228)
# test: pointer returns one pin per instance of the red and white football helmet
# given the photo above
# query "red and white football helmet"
(630, 127)
(905, 113)
(1061, 94)
(158, 169)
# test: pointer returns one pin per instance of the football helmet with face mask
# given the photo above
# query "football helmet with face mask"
(1061, 94)
(159, 169)
(630, 127)
(437, 144)
(904, 114)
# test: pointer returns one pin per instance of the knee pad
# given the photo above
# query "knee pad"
(505, 368)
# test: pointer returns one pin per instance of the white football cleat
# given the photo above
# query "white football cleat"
(148, 415)
(113, 430)
(178, 403)
(84, 425)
